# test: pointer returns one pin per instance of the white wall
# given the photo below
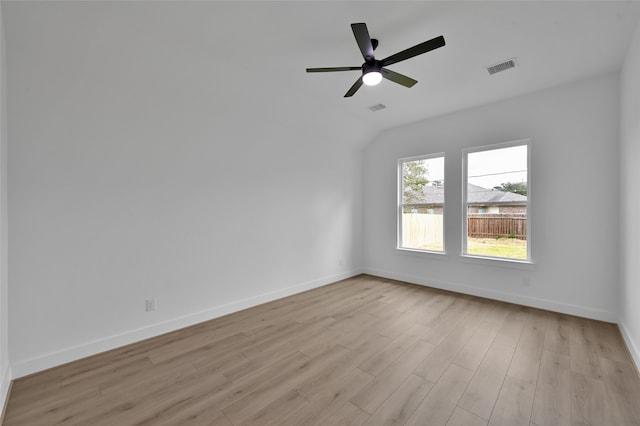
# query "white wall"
(139, 169)
(630, 198)
(574, 192)
(5, 372)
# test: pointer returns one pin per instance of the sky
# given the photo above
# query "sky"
(435, 166)
(491, 168)
(488, 168)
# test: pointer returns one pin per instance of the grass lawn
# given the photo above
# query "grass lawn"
(503, 247)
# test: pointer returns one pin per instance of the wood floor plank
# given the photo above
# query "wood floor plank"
(622, 391)
(276, 411)
(397, 409)
(150, 408)
(434, 307)
(557, 336)
(192, 416)
(588, 401)
(263, 349)
(180, 346)
(362, 350)
(347, 415)
(526, 358)
(398, 323)
(364, 343)
(440, 403)
(54, 409)
(513, 407)
(259, 382)
(355, 323)
(509, 333)
(495, 312)
(552, 402)
(438, 361)
(585, 357)
(462, 417)
(447, 321)
(381, 359)
(147, 380)
(329, 371)
(323, 340)
(220, 421)
(329, 376)
(245, 368)
(482, 393)
(471, 355)
(372, 396)
(609, 342)
(333, 395)
(274, 387)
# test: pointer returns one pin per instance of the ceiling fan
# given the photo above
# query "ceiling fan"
(374, 70)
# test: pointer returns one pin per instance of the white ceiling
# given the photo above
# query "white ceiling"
(253, 55)
(554, 42)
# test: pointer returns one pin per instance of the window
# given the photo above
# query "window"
(496, 201)
(421, 203)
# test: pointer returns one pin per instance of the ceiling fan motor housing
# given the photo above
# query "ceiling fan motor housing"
(368, 67)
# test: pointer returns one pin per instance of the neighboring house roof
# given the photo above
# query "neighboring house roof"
(434, 195)
(479, 195)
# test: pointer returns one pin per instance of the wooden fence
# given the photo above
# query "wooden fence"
(425, 231)
(422, 231)
(497, 225)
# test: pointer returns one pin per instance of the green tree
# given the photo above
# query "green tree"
(414, 179)
(515, 187)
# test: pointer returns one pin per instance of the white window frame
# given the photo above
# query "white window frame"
(465, 207)
(399, 209)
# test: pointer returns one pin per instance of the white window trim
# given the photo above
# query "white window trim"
(473, 258)
(399, 206)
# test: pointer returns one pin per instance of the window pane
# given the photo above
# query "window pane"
(422, 204)
(497, 203)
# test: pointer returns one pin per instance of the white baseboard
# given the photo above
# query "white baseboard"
(633, 348)
(519, 299)
(39, 363)
(5, 386)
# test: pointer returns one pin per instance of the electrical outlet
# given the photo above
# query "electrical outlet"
(151, 305)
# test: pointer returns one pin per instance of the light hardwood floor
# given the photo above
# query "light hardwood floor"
(361, 351)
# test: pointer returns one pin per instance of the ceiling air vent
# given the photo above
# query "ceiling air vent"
(377, 107)
(502, 66)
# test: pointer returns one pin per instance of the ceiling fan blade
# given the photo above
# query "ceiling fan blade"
(332, 69)
(416, 50)
(361, 34)
(398, 78)
(354, 88)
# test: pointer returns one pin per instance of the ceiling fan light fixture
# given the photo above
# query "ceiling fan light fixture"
(372, 78)
(371, 73)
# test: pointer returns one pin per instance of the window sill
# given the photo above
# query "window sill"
(498, 261)
(439, 255)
